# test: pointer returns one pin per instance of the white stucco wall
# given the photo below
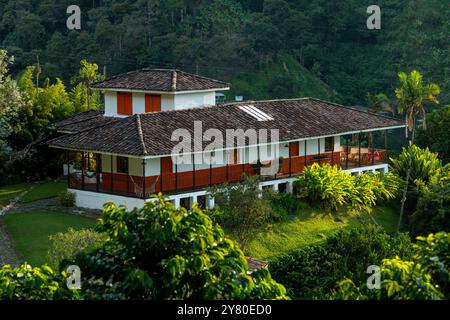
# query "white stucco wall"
(192, 100)
(138, 102)
(94, 200)
(110, 104)
(168, 101)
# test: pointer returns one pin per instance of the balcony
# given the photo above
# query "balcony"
(90, 178)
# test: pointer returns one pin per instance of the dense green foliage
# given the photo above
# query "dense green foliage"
(28, 283)
(313, 272)
(437, 135)
(159, 252)
(432, 213)
(26, 113)
(426, 275)
(229, 38)
(156, 252)
(66, 245)
(420, 165)
(424, 164)
(334, 188)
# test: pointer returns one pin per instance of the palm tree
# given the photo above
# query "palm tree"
(411, 95)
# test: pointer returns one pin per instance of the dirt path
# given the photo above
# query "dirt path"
(52, 205)
(8, 253)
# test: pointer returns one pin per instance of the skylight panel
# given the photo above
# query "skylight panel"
(256, 113)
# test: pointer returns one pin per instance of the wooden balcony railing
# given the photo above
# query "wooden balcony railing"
(177, 182)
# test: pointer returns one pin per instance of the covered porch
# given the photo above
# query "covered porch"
(138, 177)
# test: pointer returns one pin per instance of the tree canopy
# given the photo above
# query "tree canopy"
(229, 38)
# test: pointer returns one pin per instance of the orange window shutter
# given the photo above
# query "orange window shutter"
(128, 104)
(124, 103)
(152, 103)
(157, 103)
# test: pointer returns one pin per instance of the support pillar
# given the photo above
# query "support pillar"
(82, 170)
(359, 149)
(144, 193)
(210, 201)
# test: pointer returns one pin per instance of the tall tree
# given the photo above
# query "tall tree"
(87, 76)
(411, 95)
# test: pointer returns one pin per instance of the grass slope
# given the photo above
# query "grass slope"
(309, 227)
(45, 190)
(31, 231)
(285, 78)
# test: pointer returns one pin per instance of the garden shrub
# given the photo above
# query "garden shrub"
(67, 245)
(326, 184)
(334, 188)
(314, 271)
(67, 198)
(424, 165)
(28, 283)
(423, 276)
(432, 212)
(244, 207)
(160, 252)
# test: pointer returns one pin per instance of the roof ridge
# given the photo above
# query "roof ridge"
(140, 133)
(235, 103)
(174, 80)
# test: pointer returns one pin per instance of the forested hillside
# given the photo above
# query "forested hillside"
(326, 46)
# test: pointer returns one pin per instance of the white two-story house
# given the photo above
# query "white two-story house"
(162, 131)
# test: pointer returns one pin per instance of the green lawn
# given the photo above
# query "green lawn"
(45, 190)
(31, 231)
(387, 217)
(7, 193)
(311, 226)
(41, 190)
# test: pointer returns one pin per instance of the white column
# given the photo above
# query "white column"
(290, 187)
(210, 201)
(176, 203)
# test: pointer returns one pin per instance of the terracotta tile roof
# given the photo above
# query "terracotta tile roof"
(83, 121)
(164, 80)
(151, 133)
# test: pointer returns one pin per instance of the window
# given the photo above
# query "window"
(152, 103)
(122, 165)
(329, 144)
(124, 103)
